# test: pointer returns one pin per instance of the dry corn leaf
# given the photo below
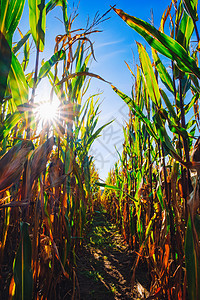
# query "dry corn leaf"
(37, 164)
(56, 172)
(12, 164)
(14, 204)
(39, 159)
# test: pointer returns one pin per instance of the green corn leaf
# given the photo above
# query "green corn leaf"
(125, 136)
(22, 266)
(78, 81)
(9, 124)
(164, 137)
(77, 173)
(179, 13)
(177, 129)
(169, 105)
(191, 103)
(26, 55)
(60, 93)
(191, 8)
(17, 47)
(37, 20)
(192, 134)
(190, 124)
(51, 4)
(136, 111)
(17, 82)
(185, 30)
(44, 70)
(196, 87)
(12, 120)
(162, 43)
(164, 75)
(112, 187)
(186, 84)
(197, 224)
(149, 228)
(5, 64)
(10, 15)
(96, 134)
(86, 169)
(160, 196)
(138, 92)
(150, 79)
(65, 16)
(79, 58)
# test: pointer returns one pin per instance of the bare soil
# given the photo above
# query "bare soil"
(104, 265)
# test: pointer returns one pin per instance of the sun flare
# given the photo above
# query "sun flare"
(47, 112)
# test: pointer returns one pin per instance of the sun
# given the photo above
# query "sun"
(47, 112)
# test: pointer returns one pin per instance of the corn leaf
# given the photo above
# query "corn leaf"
(150, 79)
(178, 129)
(191, 103)
(12, 164)
(78, 173)
(185, 31)
(137, 111)
(65, 16)
(112, 187)
(169, 105)
(162, 43)
(81, 74)
(37, 20)
(10, 15)
(164, 17)
(17, 82)
(149, 228)
(78, 81)
(165, 138)
(44, 70)
(51, 4)
(107, 186)
(37, 163)
(5, 64)
(26, 55)
(16, 48)
(53, 81)
(9, 123)
(23, 275)
(164, 75)
(191, 8)
(86, 169)
(96, 134)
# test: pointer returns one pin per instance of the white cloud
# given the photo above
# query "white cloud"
(101, 45)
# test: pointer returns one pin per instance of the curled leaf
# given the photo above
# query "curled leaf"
(81, 74)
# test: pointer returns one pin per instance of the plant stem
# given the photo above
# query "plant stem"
(186, 147)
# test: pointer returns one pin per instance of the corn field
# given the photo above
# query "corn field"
(49, 185)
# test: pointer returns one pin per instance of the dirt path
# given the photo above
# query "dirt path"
(104, 265)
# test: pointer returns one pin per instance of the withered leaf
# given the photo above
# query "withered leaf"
(12, 164)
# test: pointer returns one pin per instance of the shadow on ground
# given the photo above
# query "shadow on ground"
(104, 263)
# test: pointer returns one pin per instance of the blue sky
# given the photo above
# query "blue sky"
(113, 46)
